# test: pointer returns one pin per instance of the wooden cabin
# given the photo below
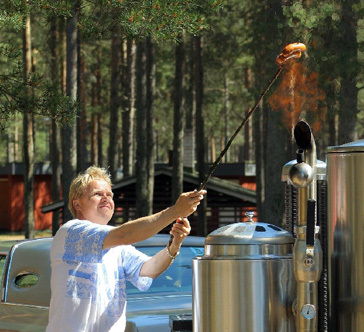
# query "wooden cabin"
(231, 192)
(227, 201)
(12, 210)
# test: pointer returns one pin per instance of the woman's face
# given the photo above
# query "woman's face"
(96, 204)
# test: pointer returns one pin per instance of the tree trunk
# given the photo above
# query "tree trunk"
(56, 174)
(28, 137)
(96, 103)
(150, 143)
(269, 161)
(177, 178)
(128, 106)
(275, 141)
(99, 102)
(81, 118)
(200, 131)
(275, 158)
(10, 147)
(100, 135)
(331, 115)
(55, 150)
(69, 130)
(248, 149)
(93, 131)
(190, 106)
(142, 195)
(225, 107)
(259, 160)
(13, 143)
(114, 103)
(348, 89)
(63, 53)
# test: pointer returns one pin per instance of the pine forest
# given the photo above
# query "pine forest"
(121, 83)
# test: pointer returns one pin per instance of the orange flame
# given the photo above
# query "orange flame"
(298, 96)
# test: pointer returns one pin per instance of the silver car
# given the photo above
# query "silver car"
(25, 286)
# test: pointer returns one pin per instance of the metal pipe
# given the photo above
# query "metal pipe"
(302, 206)
(307, 252)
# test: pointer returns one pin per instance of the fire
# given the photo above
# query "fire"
(299, 96)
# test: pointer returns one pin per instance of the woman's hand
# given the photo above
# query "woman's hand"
(187, 203)
(180, 230)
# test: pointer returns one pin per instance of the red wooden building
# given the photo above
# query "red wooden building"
(12, 197)
(227, 200)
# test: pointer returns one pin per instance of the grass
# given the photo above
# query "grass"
(9, 236)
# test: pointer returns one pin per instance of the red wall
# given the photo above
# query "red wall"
(5, 199)
(12, 202)
(42, 196)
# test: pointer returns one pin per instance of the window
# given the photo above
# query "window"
(177, 278)
(26, 279)
(2, 263)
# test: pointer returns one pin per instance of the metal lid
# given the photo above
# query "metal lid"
(249, 232)
(357, 146)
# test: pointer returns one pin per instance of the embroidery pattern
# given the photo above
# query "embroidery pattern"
(97, 276)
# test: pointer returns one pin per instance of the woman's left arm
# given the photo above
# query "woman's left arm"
(163, 259)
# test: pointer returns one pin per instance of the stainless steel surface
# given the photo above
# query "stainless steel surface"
(320, 170)
(307, 276)
(357, 146)
(252, 251)
(244, 282)
(301, 174)
(243, 295)
(249, 233)
(307, 258)
(345, 175)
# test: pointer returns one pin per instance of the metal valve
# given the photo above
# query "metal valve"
(301, 174)
(250, 215)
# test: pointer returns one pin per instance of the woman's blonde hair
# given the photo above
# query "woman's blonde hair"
(82, 181)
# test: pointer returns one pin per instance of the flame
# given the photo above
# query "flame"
(299, 96)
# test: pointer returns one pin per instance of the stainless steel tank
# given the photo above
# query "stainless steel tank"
(345, 178)
(244, 281)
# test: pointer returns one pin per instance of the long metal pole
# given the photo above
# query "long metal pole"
(246, 118)
(290, 51)
(242, 124)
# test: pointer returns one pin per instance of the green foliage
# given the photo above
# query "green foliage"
(45, 100)
(12, 13)
(303, 19)
(241, 41)
(161, 20)
(15, 20)
(51, 102)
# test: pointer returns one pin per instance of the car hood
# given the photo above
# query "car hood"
(151, 314)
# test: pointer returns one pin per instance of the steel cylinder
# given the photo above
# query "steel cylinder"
(244, 281)
(345, 178)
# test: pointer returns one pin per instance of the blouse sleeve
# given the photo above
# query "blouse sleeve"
(133, 261)
(84, 241)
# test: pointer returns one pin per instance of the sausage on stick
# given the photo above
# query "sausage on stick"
(290, 51)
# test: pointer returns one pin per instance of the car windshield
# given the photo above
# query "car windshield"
(177, 278)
